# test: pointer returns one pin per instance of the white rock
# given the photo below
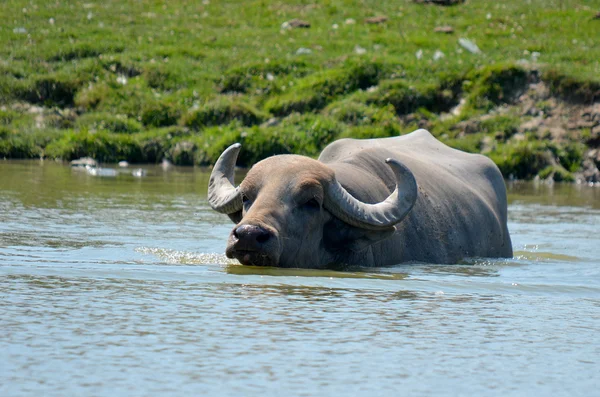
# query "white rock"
(359, 50)
(469, 46)
(437, 55)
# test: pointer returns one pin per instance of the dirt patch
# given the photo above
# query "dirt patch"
(440, 2)
(444, 29)
(376, 20)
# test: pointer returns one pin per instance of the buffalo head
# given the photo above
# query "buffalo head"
(290, 211)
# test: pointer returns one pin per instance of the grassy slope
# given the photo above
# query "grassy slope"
(182, 79)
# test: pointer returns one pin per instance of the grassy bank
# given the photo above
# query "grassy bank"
(181, 80)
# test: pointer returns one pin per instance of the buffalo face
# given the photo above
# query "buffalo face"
(290, 211)
(282, 215)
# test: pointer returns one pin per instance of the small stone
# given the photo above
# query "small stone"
(376, 20)
(273, 121)
(531, 125)
(437, 55)
(359, 50)
(303, 51)
(594, 156)
(444, 29)
(335, 26)
(519, 137)
(440, 2)
(350, 21)
(20, 30)
(468, 127)
(298, 23)
(532, 111)
(419, 54)
(487, 144)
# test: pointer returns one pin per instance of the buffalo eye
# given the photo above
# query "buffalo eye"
(312, 204)
(245, 200)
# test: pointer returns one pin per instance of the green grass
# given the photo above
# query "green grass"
(183, 79)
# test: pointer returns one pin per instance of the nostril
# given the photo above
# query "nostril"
(263, 236)
(250, 234)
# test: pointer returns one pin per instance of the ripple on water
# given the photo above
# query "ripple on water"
(109, 288)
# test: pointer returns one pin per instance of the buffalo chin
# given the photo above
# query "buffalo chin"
(251, 258)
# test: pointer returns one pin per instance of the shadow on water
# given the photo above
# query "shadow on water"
(242, 270)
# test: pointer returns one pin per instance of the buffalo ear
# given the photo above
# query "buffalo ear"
(341, 236)
(236, 217)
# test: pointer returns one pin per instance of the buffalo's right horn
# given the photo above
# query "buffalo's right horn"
(223, 196)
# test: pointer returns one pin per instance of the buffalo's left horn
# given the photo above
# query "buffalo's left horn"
(223, 196)
(375, 216)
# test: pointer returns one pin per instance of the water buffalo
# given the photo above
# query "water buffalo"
(374, 202)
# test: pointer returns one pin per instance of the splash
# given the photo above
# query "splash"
(174, 257)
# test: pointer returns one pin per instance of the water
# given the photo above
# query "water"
(118, 287)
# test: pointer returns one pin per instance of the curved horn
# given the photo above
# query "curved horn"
(375, 216)
(223, 196)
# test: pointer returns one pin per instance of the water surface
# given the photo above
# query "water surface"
(118, 287)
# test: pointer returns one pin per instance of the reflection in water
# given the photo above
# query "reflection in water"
(557, 194)
(271, 271)
(119, 286)
(538, 256)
